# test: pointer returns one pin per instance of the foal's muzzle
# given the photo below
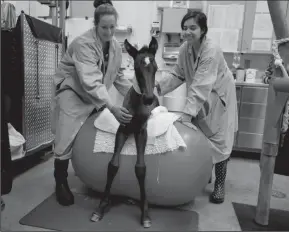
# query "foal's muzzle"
(147, 100)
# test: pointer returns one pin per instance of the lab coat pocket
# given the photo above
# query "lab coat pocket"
(212, 121)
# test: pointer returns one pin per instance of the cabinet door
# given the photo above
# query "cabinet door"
(163, 3)
(250, 13)
(196, 5)
(172, 18)
(82, 9)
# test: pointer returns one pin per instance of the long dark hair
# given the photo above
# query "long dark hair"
(201, 20)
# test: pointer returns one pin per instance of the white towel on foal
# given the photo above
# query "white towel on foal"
(162, 134)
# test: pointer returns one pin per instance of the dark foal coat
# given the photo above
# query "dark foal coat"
(139, 103)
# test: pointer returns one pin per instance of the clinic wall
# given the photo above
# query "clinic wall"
(137, 14)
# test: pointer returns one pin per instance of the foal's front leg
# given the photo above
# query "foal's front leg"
(140, 171)
(113, 166)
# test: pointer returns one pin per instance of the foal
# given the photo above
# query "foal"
(139, 101)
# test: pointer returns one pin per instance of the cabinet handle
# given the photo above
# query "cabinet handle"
(37, 70)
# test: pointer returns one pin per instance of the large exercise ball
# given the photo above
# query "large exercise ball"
(172, 178)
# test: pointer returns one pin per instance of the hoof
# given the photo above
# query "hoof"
(101, 210)
(146, 222)
(96, 217)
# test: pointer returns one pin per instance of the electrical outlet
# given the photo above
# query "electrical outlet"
(247, 64)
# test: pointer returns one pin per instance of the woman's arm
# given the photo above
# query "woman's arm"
(121, 83)
(173, 78)
(90, 76)
(203, 81)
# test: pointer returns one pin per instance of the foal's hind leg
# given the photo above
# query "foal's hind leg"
(140, 171)
(113, 166)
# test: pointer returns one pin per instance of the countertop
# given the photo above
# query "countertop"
(257, 84)
(130, 74)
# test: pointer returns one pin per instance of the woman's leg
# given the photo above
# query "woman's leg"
(63, 194)
(218, 195)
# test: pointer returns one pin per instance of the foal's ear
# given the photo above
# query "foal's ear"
(132, 51)
(153, 47)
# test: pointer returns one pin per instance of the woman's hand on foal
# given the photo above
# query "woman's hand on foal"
(121, 114)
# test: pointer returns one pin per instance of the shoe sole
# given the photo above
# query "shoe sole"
(216, 201)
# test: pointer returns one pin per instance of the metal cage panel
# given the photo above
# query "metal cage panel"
(40, 63)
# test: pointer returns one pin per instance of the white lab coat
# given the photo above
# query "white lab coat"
(211, 94)
(80, 86)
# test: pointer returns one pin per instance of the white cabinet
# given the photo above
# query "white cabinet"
(163, 4)
(196, 5)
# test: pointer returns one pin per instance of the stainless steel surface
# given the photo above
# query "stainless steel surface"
(252, 141)
(238, 93)
(254, 94)
(252, 84)
(251, 125)
(249, 110)
(252, 100)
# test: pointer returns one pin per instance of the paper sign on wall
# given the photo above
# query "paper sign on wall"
(263, 27)
(226, 16)
(261, 45)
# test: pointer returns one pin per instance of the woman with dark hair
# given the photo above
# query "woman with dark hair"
(211, 102)
(88, 69)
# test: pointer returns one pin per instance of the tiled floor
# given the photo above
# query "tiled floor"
(37, 183)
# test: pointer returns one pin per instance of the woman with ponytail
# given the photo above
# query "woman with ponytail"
(89, 68)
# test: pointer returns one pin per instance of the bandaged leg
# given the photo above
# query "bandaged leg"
(140, 172)
(113, 166)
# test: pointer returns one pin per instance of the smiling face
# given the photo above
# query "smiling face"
(192, 31)
(106, 27)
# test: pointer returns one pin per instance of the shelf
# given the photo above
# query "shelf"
(250, 52)
(124, 29)
(49, 17)
(161, 8)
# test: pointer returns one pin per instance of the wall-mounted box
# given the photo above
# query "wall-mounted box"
(172, 17)
(82, 9)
